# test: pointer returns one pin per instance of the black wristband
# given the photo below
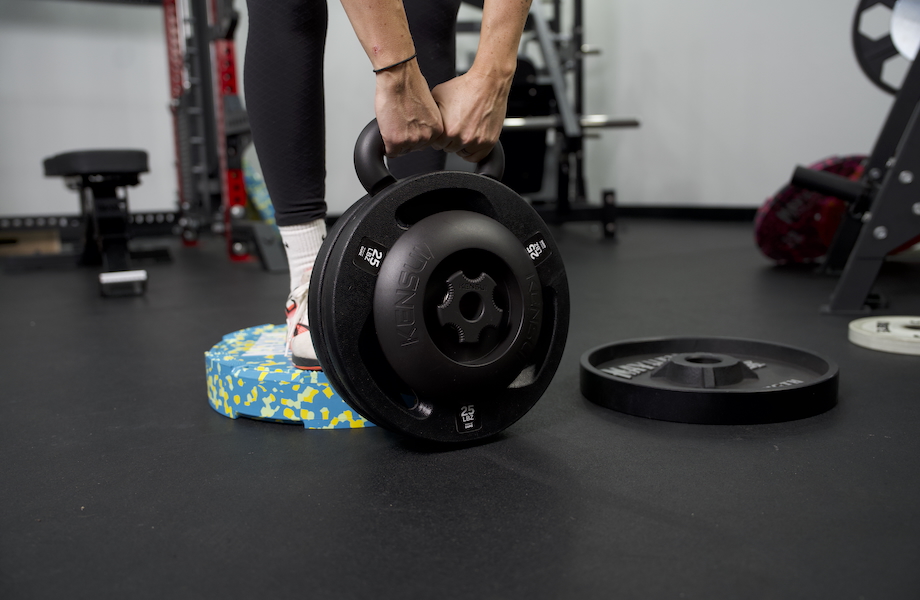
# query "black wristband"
(396, 64)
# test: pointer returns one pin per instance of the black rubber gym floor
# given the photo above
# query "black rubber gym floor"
(119, 480)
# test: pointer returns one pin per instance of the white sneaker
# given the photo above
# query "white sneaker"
(303, 355)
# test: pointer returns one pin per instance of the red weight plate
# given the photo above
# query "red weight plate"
(798, 225)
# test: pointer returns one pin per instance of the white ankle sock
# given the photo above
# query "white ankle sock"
(302, 242)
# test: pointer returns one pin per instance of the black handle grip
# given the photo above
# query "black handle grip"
(830, 184)
(374, 175)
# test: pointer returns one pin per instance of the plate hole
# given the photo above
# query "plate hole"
(471, 306)
(703, 360)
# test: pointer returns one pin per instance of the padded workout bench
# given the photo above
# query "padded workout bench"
(101, 177)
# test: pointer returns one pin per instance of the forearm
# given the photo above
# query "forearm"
(382, 29)
(407, 114)
(502, 26)
(473, 105)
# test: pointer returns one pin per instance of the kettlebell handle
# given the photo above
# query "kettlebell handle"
(375, 176)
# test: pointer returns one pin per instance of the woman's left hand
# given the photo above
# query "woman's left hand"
(473, 108)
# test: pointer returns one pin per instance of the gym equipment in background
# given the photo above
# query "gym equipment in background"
(525, 163)
(439, 303)
(717, 381)
(896, 334)
(546, 124)
(883, 211)
(211, 133)
(101, 178)
(797, 225)
(211, 125)
(259, 235)
(885, 35)
(249, 375)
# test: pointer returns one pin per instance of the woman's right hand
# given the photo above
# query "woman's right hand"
(408, 117)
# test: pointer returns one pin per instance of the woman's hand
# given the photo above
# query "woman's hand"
(473, 108)
(463, 115)
(407, 114)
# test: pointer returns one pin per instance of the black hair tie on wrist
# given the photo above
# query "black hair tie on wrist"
(396, 64)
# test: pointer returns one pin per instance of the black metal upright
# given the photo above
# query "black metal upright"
(892, 218)
(563, 56)
(578, 100)
(880, 160)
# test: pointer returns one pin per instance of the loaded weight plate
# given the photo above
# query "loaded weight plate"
(457, 300)
(709, 380)
(899, 335)
(319, 275)
(490, 376)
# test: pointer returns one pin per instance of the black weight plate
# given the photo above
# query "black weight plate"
(725, 381)
(316, 317)
(873, 53)
(341, 307)
(343, 362)
(322, 284)
(457, 300)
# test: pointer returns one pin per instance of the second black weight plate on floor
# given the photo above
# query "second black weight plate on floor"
(709, 380)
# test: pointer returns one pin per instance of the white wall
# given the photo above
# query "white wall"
(731, 95)
(349, 107)
(81, 75)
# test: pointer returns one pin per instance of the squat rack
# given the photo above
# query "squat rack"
(211, 131)
(563, 54)
(211, 126)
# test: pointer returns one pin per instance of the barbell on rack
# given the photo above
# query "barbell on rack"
(555, 121)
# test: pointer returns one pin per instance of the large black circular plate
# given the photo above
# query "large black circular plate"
(709, 380)
(873, 52)
(317, 277)
(457, 305)
(341, 308)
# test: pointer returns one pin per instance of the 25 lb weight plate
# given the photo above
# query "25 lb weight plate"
(439, 303)
(457, 305)
(709, 380)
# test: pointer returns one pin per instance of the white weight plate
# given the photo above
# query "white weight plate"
(899, 335)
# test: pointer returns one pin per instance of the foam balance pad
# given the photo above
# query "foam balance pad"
(250, 376)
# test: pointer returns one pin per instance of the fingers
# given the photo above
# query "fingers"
(469, 149)
(394, 149)
(462, 115)
(407, 114)
(403, 140)
(475, 156)
(472, 110)
(448, 143)
(401, 137)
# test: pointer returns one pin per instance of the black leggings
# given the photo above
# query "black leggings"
(284, 95)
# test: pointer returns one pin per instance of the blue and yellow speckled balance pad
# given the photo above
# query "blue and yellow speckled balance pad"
(250, 376)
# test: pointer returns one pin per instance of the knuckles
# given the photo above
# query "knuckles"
(406, 141)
